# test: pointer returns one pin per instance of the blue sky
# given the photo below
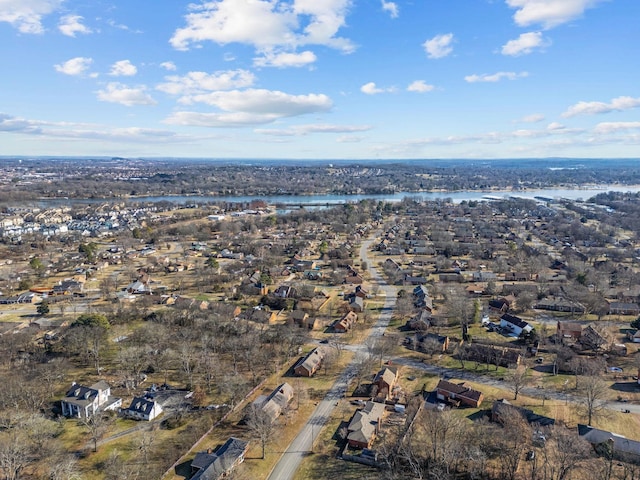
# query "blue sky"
(334, 79)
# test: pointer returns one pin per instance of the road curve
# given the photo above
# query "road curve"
(302, 444)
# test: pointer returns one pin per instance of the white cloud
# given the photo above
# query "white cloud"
(439, 46)
(302, 130)
(268, 102)
(250, 107)
(75, 66)
(371, 89)
(170, 66)
(265, 24)
(201, 82)
(71, 24)
(495, 77)
(390, 7)
(613, 127)
(124, 95)
(555, 126)
(26, 15)
(549, 13)
(65, 130)
(533, 118)
(618, 104)
(235, 119)
(420, 86)
(285, 59)
(123, 68)
(525, 44)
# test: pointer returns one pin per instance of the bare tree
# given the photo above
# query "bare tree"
(518, 378)
(563, 453)
(260, 425)
(15, 454)
(96, 425)
(593, 401)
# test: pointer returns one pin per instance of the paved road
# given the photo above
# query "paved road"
(288, 464)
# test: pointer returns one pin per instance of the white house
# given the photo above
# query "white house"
(82, 402)
(514, 324)
(143, 409)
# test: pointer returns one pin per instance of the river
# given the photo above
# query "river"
(323, 200)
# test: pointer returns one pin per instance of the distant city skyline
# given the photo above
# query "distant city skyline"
(321, 79)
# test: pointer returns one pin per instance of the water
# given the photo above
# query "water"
(323, 200)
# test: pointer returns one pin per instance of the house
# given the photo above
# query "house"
(623, 308)
(353, 278)
(517, 277)
(83, 402)
(484, 277)
(385, 380)
(260, 315)
(143, 409)
(421, 321)
(499, 305)
(356, 304)
(276, 401)
(514, 324)
(568, 330)
(622, 447)
(284, 291)
(634, 337)
(212, 465)
(365, 425)
(303, 320)
(432, 343)
(346, 322)
(502, 408)
(592, 339)
(458, 393)
(414, 280)
(559, 305)
(491, 354)
(309, 364)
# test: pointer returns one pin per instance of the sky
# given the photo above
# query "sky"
(320, 79)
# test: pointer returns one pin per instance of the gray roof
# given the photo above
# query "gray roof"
(621, 444)
(212, 466)
(141, 405)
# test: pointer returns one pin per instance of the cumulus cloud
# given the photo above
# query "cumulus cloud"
(285, 59)
(439, 46)
(265, 24)
(420, 86)
(371, 89)
(124, 95)
(123, 68)
(71, 24)
(200, 82)
(302, 130)
(525, 44)
(250, 107)
(549, 13)
(391, 8)
(170, 66)
(74, 66)
(495, 77)
(533, 118)
(26, 15)
(618, 104)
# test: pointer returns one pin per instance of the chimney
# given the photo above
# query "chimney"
(209, 451)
